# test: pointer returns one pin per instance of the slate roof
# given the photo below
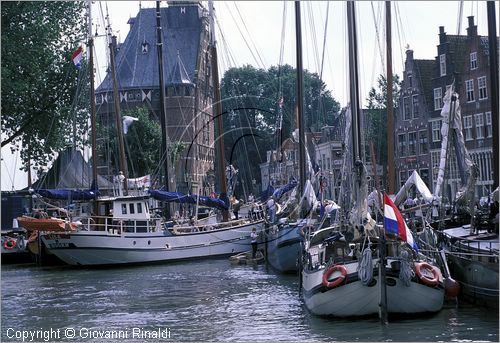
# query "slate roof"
(425, 70)
(181, 36)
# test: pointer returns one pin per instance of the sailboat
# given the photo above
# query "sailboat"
(123, 229)
(297, 215)
(350, 269)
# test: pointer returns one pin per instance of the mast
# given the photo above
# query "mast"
(300, 101)
(93, 118)
(390, 106)
(493, 53)
(163, 112)
(354, 84)
(218, 108)
(116, 99)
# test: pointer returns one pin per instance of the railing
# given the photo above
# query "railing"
(118, 226)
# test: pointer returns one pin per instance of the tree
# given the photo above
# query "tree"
(39, 81)
(142, 143)
(250, 98)
(377, 116)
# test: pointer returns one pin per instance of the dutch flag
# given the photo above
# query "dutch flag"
(77, 57)
(394, 223)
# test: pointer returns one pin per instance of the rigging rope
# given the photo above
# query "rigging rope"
(365, 266)
(406, 273)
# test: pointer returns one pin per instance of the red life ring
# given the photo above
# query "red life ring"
(424, 277)
(9, 244)
(337, 281)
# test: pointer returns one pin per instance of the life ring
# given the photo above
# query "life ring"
(9, 244)
(423, 277)
(337, 281)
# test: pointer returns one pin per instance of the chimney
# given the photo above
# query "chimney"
(442, 35)
(409, 55)
(472, 29)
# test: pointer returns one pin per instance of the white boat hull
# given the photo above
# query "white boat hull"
(103, 248)
(355, 299)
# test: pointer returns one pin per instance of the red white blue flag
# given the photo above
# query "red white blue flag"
(394, 223)
(77, 57)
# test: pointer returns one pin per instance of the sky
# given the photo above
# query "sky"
(250, 32)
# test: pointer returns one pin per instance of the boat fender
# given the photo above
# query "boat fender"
(20, 243)
(9, 244)
(337, 281)
(33, 236)
(451, 288)
(424, 277)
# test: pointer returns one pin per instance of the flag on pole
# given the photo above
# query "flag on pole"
(77, 57)
(394, 223)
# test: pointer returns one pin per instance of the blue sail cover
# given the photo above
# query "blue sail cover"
(212, 202)
(278, 193)
(267, 193)
(182, 198)
(177, 197)
(68, 194)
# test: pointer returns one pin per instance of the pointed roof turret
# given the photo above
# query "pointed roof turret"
(179, 74)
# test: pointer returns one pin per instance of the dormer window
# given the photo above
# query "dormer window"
(473, 60)
(145, 47)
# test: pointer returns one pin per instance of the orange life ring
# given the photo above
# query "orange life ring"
(9, 244)
(337, 281)
(423, 277)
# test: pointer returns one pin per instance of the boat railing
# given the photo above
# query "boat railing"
(118, 226)
(208, 227)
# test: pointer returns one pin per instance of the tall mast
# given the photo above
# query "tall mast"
(93, 118)
(163, 112)
(354, 85)
(390, 106)
(493, 53)
(218, 107)
(116, 99)
(300, 100)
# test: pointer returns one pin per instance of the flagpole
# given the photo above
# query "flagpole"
(382, 278)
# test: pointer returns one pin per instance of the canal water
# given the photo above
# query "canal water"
(199, 301)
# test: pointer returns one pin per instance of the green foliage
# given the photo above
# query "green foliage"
(256, 92)
(377, 116)
(39, 80)
(142, 143)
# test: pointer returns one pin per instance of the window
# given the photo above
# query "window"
(124, 208)
(481, 85)
(435, 157)
(410, 80)
(401, 144)
(415, 105)
(139, 207)
(424, 174)
(412, 143)
(468, 128)
(479, 125)
(442, 65)
(438, 98)
(469, 90)
(406, 108)
(131, 208)
(489, 128)
(436, 131)
(423, 142)
(473, 60)
(402, 178)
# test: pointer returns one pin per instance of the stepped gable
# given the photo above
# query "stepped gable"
(136, 58)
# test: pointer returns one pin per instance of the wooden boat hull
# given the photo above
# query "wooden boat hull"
(283, 248)
(352, 298)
